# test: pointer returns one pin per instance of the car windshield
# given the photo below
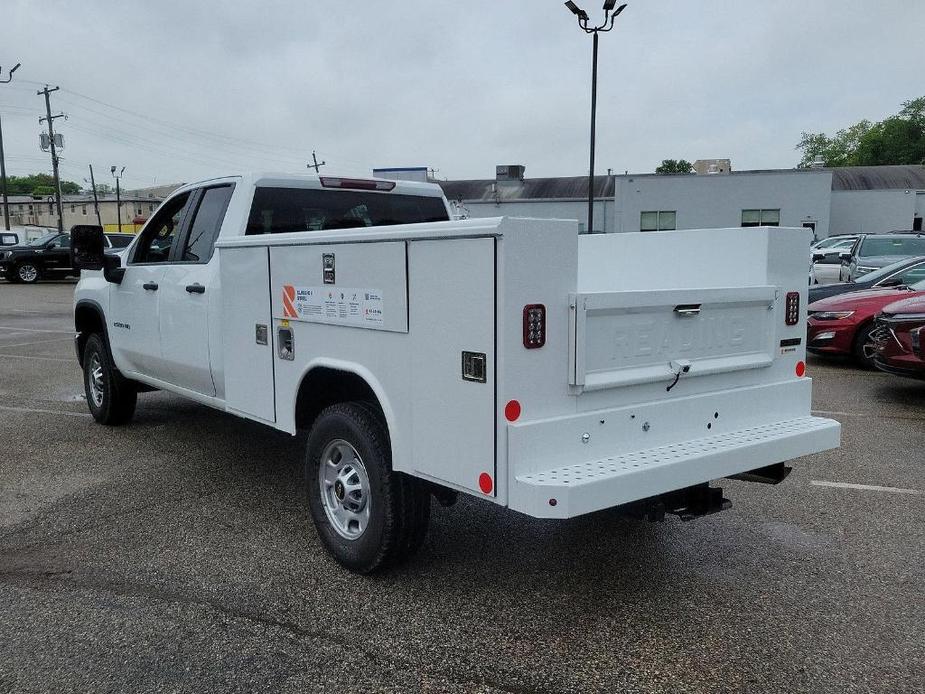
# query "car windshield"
(42, 240)
(120, 240)
(833, 243)
(893, 245)
(877, 275)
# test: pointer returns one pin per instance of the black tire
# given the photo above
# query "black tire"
(112, 401)
(399, 505)
(27, 273)
(860, 339)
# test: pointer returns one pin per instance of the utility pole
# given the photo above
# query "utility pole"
(96, 200)
(50, 119)
(112, 170)
(315, 163)
(6, 204)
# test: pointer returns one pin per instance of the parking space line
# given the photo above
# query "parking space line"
(865, 487)
(34, 330)
(40, 342)
(41, 411)
(24, 356)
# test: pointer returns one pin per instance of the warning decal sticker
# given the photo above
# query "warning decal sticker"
(342, 305)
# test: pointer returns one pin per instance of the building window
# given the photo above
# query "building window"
(151, 207)
(661, 220)
(30, 209)
(51, 208)
(761, 218)
(139, 213)
(83, 210)
(73, 208)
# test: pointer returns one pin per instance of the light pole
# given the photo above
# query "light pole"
(609, 16)
(112, 170)
(6, 205)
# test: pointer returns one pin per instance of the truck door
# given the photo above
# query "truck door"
(189, 294)
(134, 330)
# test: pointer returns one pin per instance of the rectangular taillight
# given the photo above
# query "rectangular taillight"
(534, 326)
(792, 308)
(356, 183)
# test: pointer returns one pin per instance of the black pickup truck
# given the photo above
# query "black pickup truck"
(48, 257)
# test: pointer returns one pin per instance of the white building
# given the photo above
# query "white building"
(829, 201)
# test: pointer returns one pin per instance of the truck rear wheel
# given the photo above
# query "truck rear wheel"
(110, 396)
(367, 516)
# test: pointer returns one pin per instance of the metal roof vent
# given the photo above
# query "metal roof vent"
(818, 162)
(510, 172)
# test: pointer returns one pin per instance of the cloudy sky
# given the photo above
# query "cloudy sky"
(176, 90)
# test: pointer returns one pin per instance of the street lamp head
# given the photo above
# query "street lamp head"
(577, 11)
(15, 69)
(619, 9)
(112, 170)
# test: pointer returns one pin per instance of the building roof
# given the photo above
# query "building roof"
(567, 187)
(878, 177)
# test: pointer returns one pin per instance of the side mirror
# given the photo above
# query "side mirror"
(87, 247)
(112, 269)
(846, 256)
(818, 256)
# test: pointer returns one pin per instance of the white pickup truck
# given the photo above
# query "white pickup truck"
(510, 359)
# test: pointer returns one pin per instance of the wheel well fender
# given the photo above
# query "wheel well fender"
(88, 319)
(327, 382)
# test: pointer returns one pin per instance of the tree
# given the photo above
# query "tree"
(674, 166)
(899, 139)
(26, 185)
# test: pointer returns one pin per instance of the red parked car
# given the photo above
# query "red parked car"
(842, 324)
(899, 338)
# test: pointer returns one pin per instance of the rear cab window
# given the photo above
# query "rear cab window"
(8, 240)
(282, 210)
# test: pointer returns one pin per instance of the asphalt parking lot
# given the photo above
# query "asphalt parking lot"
(176, 554)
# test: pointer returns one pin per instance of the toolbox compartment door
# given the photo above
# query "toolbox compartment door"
(452, 314)
(632, 337)
(247, 332)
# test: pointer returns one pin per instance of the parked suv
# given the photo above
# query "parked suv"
(874, 251)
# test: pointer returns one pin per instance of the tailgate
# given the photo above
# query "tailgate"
(632, 337)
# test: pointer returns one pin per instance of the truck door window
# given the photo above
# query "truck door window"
(204, 229)
(162, 231)
(282, 210)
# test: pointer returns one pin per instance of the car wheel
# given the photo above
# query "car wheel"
(27, 273)
(863, 349)
(367, 515)
(110, 396)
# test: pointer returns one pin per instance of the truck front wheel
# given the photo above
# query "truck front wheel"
(110, 395)
(367, 515)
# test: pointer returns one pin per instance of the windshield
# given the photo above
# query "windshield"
(42, 240)
(834, 243)
(894, 245)
(877, 275)
(918, 286)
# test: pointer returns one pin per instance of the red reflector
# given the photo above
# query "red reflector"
(512, 411)
(792, 315)
(801, 369)
(356, 183)
(534, 326)
(486, 484)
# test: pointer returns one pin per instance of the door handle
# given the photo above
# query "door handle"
(686, 310)
(150, 286)
(195, 288)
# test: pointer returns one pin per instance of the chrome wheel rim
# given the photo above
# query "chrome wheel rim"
(344, 488)
(28, 273)
(95, 379)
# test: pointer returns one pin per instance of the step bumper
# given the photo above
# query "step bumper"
(575, 489)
